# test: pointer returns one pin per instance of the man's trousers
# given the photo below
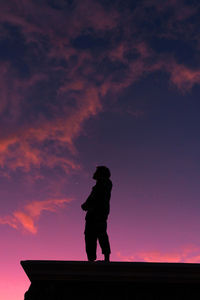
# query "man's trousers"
(96, 230)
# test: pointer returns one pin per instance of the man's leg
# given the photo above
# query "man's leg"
(104, 240)
(90, 241)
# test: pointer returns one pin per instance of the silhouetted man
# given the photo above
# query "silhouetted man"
(97, 206)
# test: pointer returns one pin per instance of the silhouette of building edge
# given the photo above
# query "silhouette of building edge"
(62, 280)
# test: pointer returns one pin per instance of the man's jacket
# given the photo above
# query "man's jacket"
(97, 204)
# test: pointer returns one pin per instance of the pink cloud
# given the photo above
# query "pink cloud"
(160, 257)
(183, 77)
(23, 146)
(188, 254)
(27, 217)
(17, 150)
(26, 221)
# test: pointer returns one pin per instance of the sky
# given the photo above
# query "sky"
(98, 82)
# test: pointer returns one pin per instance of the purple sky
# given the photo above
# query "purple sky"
(87, 83)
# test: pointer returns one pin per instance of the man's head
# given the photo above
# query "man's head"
(102, 172)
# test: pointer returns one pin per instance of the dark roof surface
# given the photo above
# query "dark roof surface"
(111, 272)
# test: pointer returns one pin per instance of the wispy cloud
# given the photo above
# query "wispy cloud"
(26, 218)
(71, 57)
(189, 253)
(183, 77)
